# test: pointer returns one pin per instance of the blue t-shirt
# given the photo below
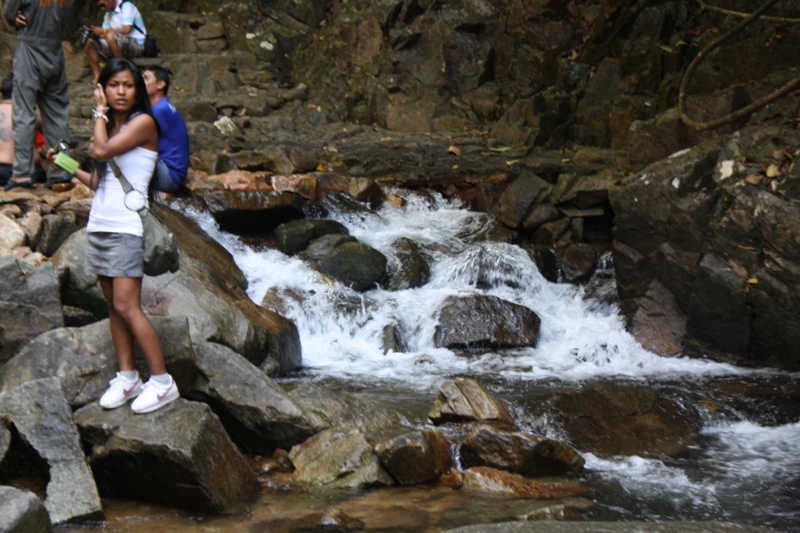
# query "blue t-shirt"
(173, 142)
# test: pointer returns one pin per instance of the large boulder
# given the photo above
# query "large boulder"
(485, 322)
(41, 416)
(30, 303)
(340, 409)
(255, 410)
(178, 455)
(22, 512)
(244, 212)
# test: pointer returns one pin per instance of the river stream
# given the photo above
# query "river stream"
(744, 468)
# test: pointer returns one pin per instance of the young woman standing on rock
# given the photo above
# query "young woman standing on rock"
(125, 130)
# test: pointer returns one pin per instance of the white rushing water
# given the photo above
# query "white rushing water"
(341, 332)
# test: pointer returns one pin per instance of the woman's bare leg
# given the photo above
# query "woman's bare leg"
(120, 332)
(131, 323)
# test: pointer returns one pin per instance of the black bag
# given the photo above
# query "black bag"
(150, 46)
(161, 252)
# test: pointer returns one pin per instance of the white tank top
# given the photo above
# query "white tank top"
(108, 211)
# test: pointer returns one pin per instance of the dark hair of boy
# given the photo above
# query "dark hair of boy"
(161, 74)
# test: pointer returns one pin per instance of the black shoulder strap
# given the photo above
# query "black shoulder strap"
(135, 27)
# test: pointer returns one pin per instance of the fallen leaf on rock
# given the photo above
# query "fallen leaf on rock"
(773, 171)
(454, 150)
(752, 281)
(738, 268)
(509, 163)
(753, 179)
(386, 138)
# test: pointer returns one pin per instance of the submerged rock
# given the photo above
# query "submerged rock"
(486, 479)
(608, 419)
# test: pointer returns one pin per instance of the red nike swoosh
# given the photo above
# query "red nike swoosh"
(125, 391)
(161, 396)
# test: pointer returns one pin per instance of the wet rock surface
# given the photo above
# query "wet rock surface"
(485, 322)
(466, 400)
(617, 420)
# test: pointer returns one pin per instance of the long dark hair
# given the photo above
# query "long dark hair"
(142, 103)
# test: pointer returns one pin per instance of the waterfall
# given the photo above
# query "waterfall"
(341, 330)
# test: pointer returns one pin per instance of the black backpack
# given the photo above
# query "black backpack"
(150, 45)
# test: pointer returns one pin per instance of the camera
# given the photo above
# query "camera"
(61, 146)
(86, 34)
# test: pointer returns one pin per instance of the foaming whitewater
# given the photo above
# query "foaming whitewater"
(745, 472)
(342, 332)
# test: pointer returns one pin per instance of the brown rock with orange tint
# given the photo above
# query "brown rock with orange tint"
(486, 479)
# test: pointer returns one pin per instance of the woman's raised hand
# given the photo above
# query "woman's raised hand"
(100, 96)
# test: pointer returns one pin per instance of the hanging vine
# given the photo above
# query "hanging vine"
(687, 76)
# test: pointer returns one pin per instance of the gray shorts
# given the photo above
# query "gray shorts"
(130, 46)
(115, 255)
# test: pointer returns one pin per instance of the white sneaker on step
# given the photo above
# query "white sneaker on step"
(120, 390)
(155, 396)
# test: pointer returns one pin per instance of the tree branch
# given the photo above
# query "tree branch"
(687, 76)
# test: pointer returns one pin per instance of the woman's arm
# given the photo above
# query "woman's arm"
(90, 179)
(139, 131)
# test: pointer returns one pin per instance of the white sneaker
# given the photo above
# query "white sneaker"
(120, 390)
(155, 396)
